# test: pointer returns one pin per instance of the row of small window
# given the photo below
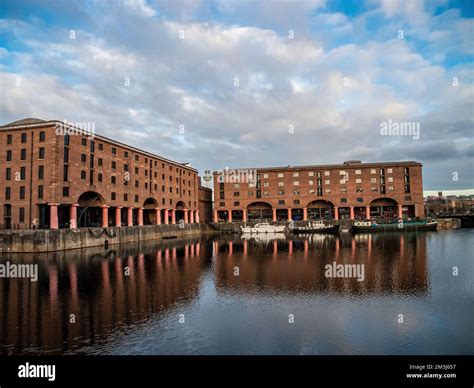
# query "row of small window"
(125, 154)
(24, 137)
(328, 173)
(41, 154)
(326, 182)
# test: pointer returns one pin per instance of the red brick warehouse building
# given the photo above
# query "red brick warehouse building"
(351, 190)
(59, 176)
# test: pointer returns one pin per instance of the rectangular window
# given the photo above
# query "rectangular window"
(23, 154)
(112, 196)
(9, 156)
(389, 170)
(296, 174)
(311, 191)
(65, 173)
(296, 202)
(327, 182)
(101, 147)
(113, 179)
(66, 155)
(83, 175)
(327, 173)
(125, 154)
(311, 173)
(8, 174)
(359, 199)
(296, 183)
(236, 203)
(91, 177)
(358, 180)
(373, 171)
(343, 200)
(66, 140)
(265, 175)
(281, 202)
(281, 175)
(41, 153)
(23, 137)
(21, 217)
(22, 173)
(236, 193)
(84, 142)
(22, 192)
(7, 193)
(42, 136)
(125, 197)
(65, 191)
(40, 172)
(311, 183)
(92, 146)
(83, 158)
(9, 139)
(358, 172)
(114, 151)
(114, 165)
(99, 161)
(281, 184)
(99, 177)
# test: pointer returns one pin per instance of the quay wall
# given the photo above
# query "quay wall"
(50, 240)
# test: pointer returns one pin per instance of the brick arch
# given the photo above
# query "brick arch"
(383, 201)
(319, 203)
(150, 203)
(259, 205)
(90, 199)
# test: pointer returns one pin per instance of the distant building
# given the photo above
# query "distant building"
(56, 175)
(351, 190)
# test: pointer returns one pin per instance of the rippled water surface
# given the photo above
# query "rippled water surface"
(228, 295)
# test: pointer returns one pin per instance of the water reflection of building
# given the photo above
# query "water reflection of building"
(35, 316)
(395, 263)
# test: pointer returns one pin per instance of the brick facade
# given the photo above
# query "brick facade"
(351, 190)
(46, 171)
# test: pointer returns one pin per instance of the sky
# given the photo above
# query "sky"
(240, 83)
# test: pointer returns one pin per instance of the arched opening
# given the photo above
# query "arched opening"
(320, 210)
(383, 207)
(180, 206)
(149, 212)
(89, 212)
(259, 211)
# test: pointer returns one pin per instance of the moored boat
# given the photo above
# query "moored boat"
(263, 227)
(401, 226)
(316, 227)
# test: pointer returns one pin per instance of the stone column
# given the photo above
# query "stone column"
(305, 214)
(197, 216)
(73, 216)
(400, 211)
(118, 216)
(367, 212)
(215, 216)
(274, 215)
(289, 214)
(173, 216)
(140, 216)
(229, 215)
(336, 213)
(130, 216)
(53, 216)
(105, 216)
(157, 216)
(167, 217)
(185, 216)
(191, 216)
(352, 212)
(244, 215)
